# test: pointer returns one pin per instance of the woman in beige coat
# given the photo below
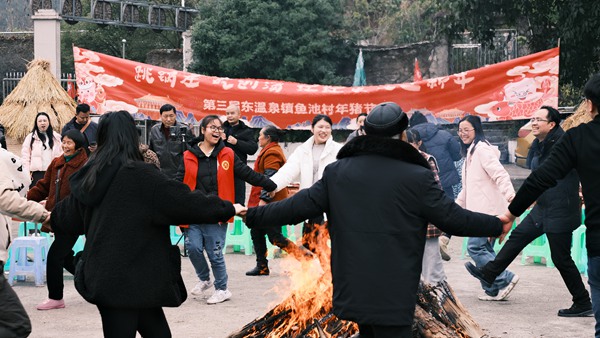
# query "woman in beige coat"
(14, 182)
(486, 188)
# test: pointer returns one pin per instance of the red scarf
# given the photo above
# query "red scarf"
(225, 174)
(255, 191)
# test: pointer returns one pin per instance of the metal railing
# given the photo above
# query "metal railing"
(467, 54)
(11, 80)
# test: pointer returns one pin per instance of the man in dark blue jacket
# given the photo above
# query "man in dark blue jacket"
(555, 214)
(577, 149)
(446, 150)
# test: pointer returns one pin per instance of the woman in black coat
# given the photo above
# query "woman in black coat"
(124, 206)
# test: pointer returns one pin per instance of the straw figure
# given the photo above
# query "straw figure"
(38, 91)
(581, 115)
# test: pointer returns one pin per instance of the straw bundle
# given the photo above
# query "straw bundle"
(38, 91)
(581, 115)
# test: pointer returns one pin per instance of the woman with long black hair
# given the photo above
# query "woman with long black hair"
(125, 207)
(486, 188)
(40, 147)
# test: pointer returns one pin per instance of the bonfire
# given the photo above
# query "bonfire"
(38, 91)
(307, 311)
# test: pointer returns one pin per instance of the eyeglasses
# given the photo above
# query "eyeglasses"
(537, 119)
(465, 131)
(215, 128)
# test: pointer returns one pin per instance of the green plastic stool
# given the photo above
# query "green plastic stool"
(578, 249)
(238, 235)
(538, 249)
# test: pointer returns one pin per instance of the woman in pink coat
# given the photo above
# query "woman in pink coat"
(40, 147)
(486, 188)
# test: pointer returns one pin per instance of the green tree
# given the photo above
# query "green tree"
(541, 22)
(390, 22)
(291, 40)
(108, 40)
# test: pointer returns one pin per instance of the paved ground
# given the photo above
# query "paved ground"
(530, 311)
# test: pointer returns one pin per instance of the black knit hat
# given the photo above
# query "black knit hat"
(76, 136)
(386, 119)
(417, 118)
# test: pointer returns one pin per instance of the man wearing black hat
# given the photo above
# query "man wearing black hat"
(379, 197)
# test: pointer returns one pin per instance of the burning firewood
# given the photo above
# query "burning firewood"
(303, 314)
(307, 311)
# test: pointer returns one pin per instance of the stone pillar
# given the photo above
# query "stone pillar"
(46, 38)
(187, 49)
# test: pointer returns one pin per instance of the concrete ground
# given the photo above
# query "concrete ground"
(529, 312)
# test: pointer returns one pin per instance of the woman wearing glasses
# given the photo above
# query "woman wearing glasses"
(211, 167)
(486, 188)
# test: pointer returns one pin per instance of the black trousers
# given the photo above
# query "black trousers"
(378, 331)
(124, 323)
(260, 243)
(14, 321)
(36, 176)
(60, 255)
(560, 249)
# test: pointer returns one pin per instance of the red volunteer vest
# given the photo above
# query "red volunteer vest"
(225, 175)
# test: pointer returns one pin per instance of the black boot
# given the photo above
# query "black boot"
(577, 310)
(261, 269)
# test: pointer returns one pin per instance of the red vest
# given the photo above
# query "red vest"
(225, 175)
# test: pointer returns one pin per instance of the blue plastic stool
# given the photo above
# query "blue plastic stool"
(238, 235)
(79, 244)
(20, 265)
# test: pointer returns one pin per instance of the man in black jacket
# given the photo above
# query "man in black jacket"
(556, 214)
(577, 149)
(83, 122)
(379, 197)
(167, 140)
(239, 137)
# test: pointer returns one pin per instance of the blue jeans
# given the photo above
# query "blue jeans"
(482, 252)
(594, 281)
(209, 238)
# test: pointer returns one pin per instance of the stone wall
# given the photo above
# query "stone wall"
(167, 58)
(395, 64)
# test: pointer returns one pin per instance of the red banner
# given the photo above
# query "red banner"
(512, 89)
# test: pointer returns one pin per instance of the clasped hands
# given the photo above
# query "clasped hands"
(240, 210)
(507, 220)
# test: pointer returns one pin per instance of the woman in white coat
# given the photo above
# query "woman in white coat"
(486, 188)
(306, 165)
(14, 321)
(40, 147)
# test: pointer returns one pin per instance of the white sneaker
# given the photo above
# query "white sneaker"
(219, 297)
(200, 287)
(502, 293)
